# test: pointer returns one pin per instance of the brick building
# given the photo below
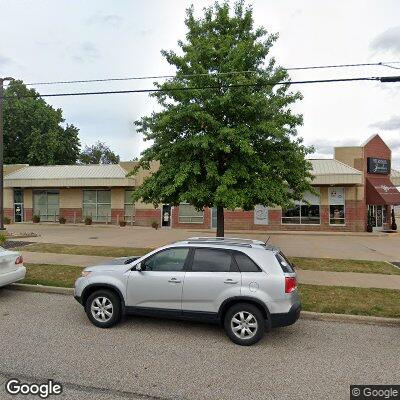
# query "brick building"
(356, 185)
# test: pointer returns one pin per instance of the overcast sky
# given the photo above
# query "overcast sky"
(64, 40)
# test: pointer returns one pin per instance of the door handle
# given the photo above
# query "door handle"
(231, 282)
(174, 280)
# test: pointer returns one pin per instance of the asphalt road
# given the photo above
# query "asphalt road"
(45, 336)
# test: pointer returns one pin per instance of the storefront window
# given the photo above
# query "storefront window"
(189, 215)
(336, 206)
(305, 212)
(97, 204)
(46, 204)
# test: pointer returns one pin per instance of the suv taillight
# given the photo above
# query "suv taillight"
(290, 284)
(19, 260)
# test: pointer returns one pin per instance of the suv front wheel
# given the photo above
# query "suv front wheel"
(103, 308)
(244, 324)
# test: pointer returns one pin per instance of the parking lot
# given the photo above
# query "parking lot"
(347, 246)
(147, 358)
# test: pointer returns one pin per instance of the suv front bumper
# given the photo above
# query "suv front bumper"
(286, 319)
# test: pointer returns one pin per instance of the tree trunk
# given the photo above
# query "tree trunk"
(220, 221)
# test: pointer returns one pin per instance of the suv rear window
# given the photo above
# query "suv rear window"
(285, 264)
(245, 263)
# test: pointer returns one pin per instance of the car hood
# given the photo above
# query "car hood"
(119, 263)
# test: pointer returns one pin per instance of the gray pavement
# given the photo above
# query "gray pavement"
(346, 246)
(48, 336)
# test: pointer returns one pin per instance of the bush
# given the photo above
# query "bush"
(88, 220)
(3, 238)
(62, 220)
(122, 223)
(155, 225)
(7, 220)
(36, 219)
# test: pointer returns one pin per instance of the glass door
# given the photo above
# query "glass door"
(18, 205)
(377, 216)
(214, 217)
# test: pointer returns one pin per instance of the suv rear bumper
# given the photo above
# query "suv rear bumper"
(286, 319)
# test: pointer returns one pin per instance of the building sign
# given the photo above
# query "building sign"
(260, 215)
(378, 166)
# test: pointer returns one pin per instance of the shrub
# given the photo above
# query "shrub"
(7, 220)
(36, 219)
(155, 225)
(88, 220)
(62, 220)
(122, 223)
(3, 238)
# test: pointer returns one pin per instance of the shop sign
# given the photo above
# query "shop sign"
(378, 166)
(336, 196)
(260, 215)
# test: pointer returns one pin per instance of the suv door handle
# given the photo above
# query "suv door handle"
(231, 282)
(174, 280)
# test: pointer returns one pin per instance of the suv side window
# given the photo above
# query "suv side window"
(213, 260)
(245, 263)
(167, 260)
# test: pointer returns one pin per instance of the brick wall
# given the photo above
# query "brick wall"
(71, 214)
(144, 217)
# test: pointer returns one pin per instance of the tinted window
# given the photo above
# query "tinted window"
(284, 263)
(245, 263)
(211, 260)
(167, 260)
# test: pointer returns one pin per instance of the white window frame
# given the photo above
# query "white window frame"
(97, 204)
(188, 216)
(302, 203)
(344, 205)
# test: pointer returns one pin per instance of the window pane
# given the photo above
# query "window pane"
(245, 263)
(210, 260)
(309, 214)
(104, 196)
(167, 260)
(103, 212)
(128, 197)
(89, 210)
(188, 214)
(336, 215)
(291, 215)
(18, 196)
(52, 199)
(89, 196)
(128, 210)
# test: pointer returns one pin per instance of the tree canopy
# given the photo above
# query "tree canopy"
(99, 153)
(225, 136)
(34, 131)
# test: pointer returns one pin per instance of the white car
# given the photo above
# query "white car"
(11, 267)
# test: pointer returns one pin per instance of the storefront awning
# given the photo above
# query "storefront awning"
(381, 191)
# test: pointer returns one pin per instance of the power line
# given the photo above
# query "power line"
(384, 64)
(381, 79)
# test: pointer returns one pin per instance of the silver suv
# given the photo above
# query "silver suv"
(245, 285)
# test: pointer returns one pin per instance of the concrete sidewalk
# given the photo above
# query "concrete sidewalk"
(350, 279)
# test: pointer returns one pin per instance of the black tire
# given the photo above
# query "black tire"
(256, 324)
(111, 298)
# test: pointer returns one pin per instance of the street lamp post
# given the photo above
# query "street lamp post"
(2, 153)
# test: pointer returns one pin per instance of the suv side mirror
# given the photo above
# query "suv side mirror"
(138, 267)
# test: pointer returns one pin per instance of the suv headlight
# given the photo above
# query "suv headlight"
(86, 273)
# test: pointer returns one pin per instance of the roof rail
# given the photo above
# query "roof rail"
(224, 240)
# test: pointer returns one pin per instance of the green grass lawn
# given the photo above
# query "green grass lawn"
(323, 299)
(331, 264)
(104, 251)
(349, 300)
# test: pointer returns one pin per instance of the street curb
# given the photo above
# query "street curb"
(355, 319)
(41, 288)
(306, 315)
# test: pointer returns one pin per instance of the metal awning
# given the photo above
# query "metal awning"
(381, 190)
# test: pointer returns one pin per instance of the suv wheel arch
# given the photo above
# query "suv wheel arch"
(96, 286)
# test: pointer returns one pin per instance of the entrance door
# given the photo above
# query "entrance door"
(377, 215)
(18, 205)
(166, 215)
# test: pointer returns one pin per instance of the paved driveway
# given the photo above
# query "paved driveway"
(48, 336)
(363, 247)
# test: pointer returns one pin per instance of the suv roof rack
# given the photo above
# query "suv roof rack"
(225, 240)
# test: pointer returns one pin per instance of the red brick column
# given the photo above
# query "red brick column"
(72, 214)
(144, 217)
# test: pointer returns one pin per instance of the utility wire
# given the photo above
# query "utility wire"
(384, 64)
(381, 79)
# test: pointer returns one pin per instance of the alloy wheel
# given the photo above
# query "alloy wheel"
(101, 309)
(244, 325)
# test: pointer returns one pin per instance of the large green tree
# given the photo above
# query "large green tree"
(34, 131)
(99, 153)
(232, 141)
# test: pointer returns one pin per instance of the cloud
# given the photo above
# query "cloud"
(5, 60)
(110, 20)
(391, 124)
(83, 52)
(387, 41)
(325, 147)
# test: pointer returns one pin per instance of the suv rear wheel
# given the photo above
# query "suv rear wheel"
(103, 308)
(244, 324)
